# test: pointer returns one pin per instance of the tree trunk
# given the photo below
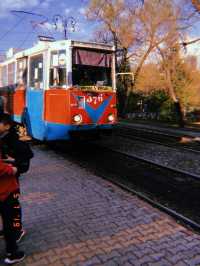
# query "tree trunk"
(177, 105)
(125, 91)
(126, 99)
(128, 91)
(179, 114)
(136, 75)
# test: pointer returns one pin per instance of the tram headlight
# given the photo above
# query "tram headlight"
(77, 118)
(111, 118)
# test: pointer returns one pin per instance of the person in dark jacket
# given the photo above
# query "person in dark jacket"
(8, 188)
(19, 154)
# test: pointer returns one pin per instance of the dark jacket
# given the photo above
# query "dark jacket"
(19, 150)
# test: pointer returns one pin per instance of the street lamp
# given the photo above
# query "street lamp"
(65, 23)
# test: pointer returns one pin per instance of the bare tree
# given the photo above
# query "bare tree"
(170, 59)
(171, 52)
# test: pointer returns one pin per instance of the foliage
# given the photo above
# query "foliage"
(156, 100)
(196, 4)
(167, 111)
(150, 79)
(135, 101)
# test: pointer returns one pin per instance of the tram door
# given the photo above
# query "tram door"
(35, 98)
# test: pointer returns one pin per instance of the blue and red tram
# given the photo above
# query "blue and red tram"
(60, 88)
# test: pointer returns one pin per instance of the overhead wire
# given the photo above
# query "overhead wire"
(35, 25)
(12, 28)
(25, 39)
(19, 22)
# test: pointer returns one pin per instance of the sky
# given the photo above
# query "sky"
(20, 30)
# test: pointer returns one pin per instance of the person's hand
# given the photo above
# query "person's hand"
(14, 170)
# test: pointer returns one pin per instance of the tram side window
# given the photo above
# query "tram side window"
(11, 74)
(58, 69)
(22, 71)
(36, 72)
(4, 76)
(1, 85)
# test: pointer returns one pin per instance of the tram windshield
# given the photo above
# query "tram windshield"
(92, 68)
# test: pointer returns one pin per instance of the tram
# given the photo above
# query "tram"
(59, 89)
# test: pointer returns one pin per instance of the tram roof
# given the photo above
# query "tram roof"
(41, 46)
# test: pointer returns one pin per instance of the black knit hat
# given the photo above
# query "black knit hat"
(6, 119)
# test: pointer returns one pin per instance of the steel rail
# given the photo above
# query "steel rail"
(130, 135)
(120, 182)
(150, 162)
(160, 206)
(172, 146)
(150, 130)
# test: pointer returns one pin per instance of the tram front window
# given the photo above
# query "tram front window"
(92, 67)
(91, 76)
(58, 69)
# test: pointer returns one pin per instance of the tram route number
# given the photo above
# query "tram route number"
(91, 99)
(94, 99)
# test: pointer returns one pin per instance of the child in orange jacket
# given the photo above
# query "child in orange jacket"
(8, 187)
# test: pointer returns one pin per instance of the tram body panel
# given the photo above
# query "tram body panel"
(49, 114)
(19, 103)
(61, 106)
(57, 106)
(93, 106)
(33, 115)
(57, 114)
(111, 109)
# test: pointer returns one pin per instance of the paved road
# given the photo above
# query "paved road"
(76, 218)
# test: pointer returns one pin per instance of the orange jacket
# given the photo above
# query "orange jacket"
(8, 182)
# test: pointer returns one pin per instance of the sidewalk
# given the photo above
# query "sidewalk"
(73, 217)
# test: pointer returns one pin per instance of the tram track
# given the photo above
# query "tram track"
(170, 190)
(174, 214)
(148, 198)
(158, 138)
